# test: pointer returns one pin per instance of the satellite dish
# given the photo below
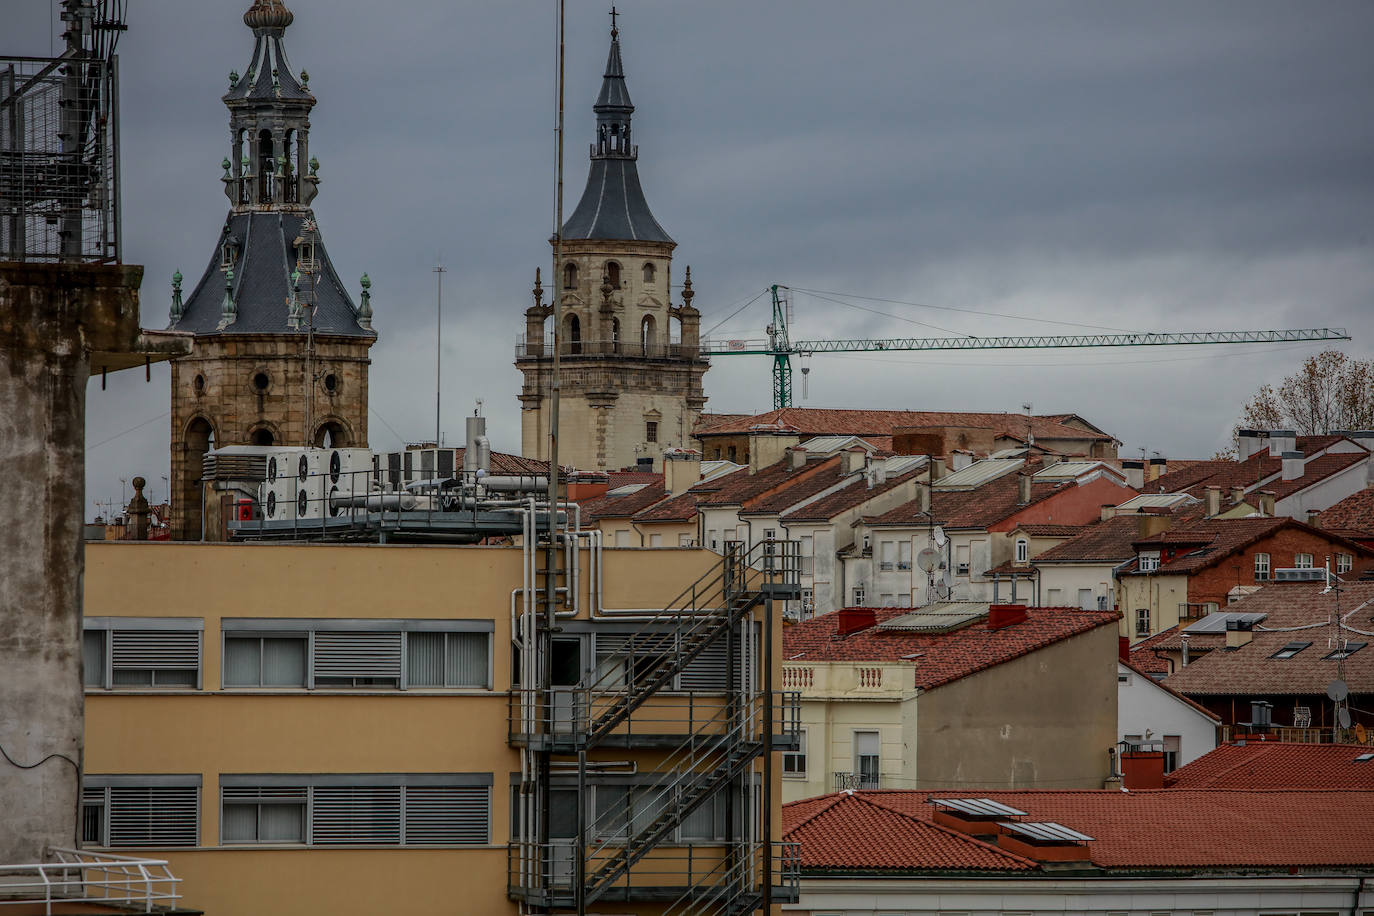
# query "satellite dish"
(1343, 717)
(938, 536)
(927, 559)
(1337, 690)
(1360, 734)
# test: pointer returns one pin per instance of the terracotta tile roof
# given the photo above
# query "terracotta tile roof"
(842, 831)
(502, 463)
(1186, 829)
(1011, 567)
(1051, 531)
(708, 420)
(941, 657)
(611, 506)
(1252, 670)
(1148, 655)
(1206, 542)
(855, 494)
(680, 508)
(819, 422)
(625, 478)
(987, 505)
(1315, 471)
(741, 488)
(1109, 540)
(1258, 467)
(793, 492)
(1278, 765)
(1355, 513)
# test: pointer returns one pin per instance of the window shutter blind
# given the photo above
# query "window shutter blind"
(156, 649)
(154, 815)
(356, 814)
(466, 660)
(358, 654)
(447, 815)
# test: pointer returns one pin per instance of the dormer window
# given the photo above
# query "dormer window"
(1022, 550)
(228, 253)
(1148, 562)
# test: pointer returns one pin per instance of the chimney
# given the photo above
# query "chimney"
(1001, 616)
(1282, 440)
(1148, 524)
(1238, 633)
(1023, 488)
(681, 469)
(1108, 511)
(851, 620)
(1158, 467)
(1248, 442)
(1266, 503)
(1183, 650)
(960, 459)
(797, 456)
(1123, 648)
(1134, 469)
(1212, 501)
(1293, 465)
(852, 459)
(1142, 769)
(1261, 715)
(923, 494)
(937, 468)
(1237, 495)
(767, 445)
(1314, 517)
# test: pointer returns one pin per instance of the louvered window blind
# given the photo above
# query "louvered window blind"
(357, 659)
(141, 654)
(126, 814)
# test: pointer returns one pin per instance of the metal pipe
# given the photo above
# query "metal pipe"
(404, 501)
(506, 483)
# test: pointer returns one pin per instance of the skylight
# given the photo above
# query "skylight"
(1290, 650)
(1346, 651)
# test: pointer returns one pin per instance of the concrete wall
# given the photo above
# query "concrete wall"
(1045, 720)
(1144, 706)
(51, 318)
(1060, 583)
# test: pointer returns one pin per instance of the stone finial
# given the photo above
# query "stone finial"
(268, 14)
(538, 291)
(606, 288)
(229, 312)
(305, 80)
(138, 511)
(314, 167)
(247, 164)
(365, 303)
(281, 166)
(225, 165)
(233, 78)
(687, 292)
(177, 308)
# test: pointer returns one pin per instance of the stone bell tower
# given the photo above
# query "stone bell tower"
(281, 351)
(631, 366)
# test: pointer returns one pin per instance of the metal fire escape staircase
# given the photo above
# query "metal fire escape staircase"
(631, 700)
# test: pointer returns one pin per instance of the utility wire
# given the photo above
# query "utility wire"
(864, 308)
(161, 416)
(372, 410)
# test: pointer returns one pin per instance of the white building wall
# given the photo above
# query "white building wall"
(1062, 585)
(1144, 706)
(1326, 493)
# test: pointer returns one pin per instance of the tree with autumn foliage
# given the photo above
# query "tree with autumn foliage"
(1330, 391)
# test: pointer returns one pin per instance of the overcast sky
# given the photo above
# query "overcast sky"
(1149, 166)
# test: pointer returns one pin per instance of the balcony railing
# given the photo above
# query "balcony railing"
(81, 878)
(865, 781)
(593, 348)
(1290, 734)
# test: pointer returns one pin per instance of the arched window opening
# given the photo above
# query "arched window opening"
(331, 435)
(646, 334)
(1022, 550)
(613, 274)
(289, 169)
(263, 437)
(240, 168)
(267, 167)
(648, 274)
(199, 439)
(572, 330)
(570, 275)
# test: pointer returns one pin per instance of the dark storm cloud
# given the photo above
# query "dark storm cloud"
(1187, 165)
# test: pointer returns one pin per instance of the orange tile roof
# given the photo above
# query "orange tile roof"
(741, 488)
(857, 831)
(810, 421)
(1355, 513)
(680, 508)
(1185, 829)
(1109, 540)
(1259, 466)
(940, 657)
(609, 505)
(1278, 765)
(857, 493)
(987, 505)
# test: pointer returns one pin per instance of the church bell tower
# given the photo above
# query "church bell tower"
(281, 351)
(631, 366)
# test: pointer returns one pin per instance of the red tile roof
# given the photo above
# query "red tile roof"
(821, 422)
(940, 657)
(741, 488)
(680, 508)
(625, 478)
(1152, 655)
(1110, 540)
(1187, 829)
(794, 491)
(1209, 541)
(1278, 765)
(857, 831)
(623, 506)
(1052, 531)
(1258, 468)
(987, 505)
(842, 500)
(502, 463)
(1355, 513)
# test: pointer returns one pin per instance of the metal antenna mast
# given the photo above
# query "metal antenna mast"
(439, 271)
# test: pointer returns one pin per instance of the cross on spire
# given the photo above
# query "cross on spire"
(615, 33)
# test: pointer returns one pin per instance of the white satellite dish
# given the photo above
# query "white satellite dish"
(1343, 717)
(938, 536)
(1337, 690)
(927, 559)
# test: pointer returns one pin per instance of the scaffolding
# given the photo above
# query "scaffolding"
(687, 824)
(59, 140)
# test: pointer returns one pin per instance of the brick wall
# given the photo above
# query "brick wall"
(1213, 583)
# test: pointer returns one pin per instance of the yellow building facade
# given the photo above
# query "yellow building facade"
(330, 728)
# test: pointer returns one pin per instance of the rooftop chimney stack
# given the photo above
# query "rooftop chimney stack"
(1135, 472)
(1237, 495)
(1248, 442)
(960, 459)
(1266, 503)
(1293, 465)
(797, 456)
(1212, 500)
(1238, 633)
(681, 470)
(1158, 468)
(1023, 488)
(923, 494)
(853, 459)
(1282, 440)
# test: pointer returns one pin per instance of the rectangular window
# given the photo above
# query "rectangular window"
(651, 431)
(1261, 567)
(866, 762)
(1302, 561)
(1022, 550)
(140, 811)
(806, 547)
(1086, 600)
(141, 652)
(1172, 745)
(903, 554)
(386, 809)
(1149, 562)
(961, 560)
(887, 599)
(794, 762)
(337, 653)
(1345, 651)
(858, 595)
(1344, 562)
(1142, 621)
(686, 540)
(888, 552)
(655, 540)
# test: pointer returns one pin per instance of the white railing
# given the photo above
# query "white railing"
(83, 876)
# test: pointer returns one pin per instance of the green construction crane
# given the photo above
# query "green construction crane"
(782, 348)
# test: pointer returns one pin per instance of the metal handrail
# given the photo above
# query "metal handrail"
(83, 876)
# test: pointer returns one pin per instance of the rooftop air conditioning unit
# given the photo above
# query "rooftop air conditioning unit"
(348, 472)
(1300, 575)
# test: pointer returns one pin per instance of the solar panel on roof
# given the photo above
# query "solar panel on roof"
(1156, 500)
(978, 473)
(1216, 622)
(1066, 470)
(978, 807)
(900, 464)
(1046, 832)
(938, 617)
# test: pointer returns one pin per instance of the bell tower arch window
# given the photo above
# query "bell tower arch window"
(648, 274)
(570, 275)
(267, 167)
(572, 330)
(615, 335)
(613, 274)
(646, 334)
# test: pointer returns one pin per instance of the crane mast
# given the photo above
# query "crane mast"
(780, 346)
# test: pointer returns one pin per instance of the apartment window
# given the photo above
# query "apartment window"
(1345, 651)
(1291, 649)
(1172, 745)
(866, 762)
(686, 540)
(887, 599)
(887, 550)
(904, 555)
(655, 540)
(858, 596)
(650, 430)
(806, 553)
(375, 653)
(1149, 562)
(1302, 561)
(373, 809)
(794, 762)
(133, 811)
(121, 652)
(961, 560)
(1344, 562)
(1261, 567)
(1142, 621)
(808, 603)
(1022, 550)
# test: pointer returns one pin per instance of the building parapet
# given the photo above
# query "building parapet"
(849, 680)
